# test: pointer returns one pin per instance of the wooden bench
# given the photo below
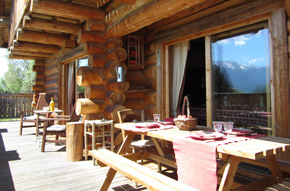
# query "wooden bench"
(283, 186)
(141, 174)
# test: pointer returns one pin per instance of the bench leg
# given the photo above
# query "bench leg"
(111, 173)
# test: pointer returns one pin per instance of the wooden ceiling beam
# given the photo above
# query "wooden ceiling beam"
(66, 9)
(50, 25)
(21, 57)
(40, 37)
(131, 2)
(27, 53)
(117, 10)
(35, 47)
(152, 13)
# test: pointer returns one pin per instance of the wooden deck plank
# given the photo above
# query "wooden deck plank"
(24, 167)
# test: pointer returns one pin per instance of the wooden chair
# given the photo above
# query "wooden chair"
(139, 144)
(52, 126)
(43, 101)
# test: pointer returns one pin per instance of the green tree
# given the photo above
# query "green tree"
(3, 86)
(222, 81)
(19, 76)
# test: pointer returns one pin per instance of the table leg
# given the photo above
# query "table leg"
(112, 136)
(274, 167)
(111, 173)
(93, 141)
(37, 125)
(229, 173)
(160, 152)
(86, 142)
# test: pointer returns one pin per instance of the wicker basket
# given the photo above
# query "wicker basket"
(188, 123)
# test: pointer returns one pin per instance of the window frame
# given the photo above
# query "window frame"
(279, 69)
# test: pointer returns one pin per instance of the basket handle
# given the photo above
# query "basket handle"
(185, 99)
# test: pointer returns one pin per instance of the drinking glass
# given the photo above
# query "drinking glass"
(217, 125)
(156, 117)
(228, 126)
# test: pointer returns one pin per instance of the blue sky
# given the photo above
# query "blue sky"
(3, 61)
(248, 49)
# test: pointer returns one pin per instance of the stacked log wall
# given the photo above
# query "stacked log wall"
(103, 95)
(142, 92)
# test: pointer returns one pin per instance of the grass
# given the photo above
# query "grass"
(9, 119)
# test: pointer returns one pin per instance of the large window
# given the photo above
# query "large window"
(241, 77)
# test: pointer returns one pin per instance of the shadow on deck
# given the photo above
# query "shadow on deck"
(24, 167)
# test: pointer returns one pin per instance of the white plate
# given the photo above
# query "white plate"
(206, 135)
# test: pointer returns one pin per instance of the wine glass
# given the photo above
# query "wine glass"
(217, 125)
(228, 126)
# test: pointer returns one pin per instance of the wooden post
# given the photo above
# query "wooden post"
(74, 141)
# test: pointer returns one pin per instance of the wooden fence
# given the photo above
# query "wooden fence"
(12, 104)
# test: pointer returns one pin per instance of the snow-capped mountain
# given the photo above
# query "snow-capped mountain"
(244, 78)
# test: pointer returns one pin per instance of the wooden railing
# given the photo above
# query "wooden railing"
(12, 104)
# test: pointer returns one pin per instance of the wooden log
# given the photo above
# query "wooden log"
(40, 37)
(150, 49)
(37, 68)
(95, 116)
(117, 10)
(95, 91)
(40, 75)
(68, 44)
(54, 83)
(150, 72)
(66, 9)
(74, 141)
(37, 88)
(96, 60)
(135, 77)
(21, 57)
(27, 53)
(39, 63)
(150, 97)
(35, 47)
(113, 98)
(89, 106)
(117, 54)
(118, 87)
(135, 103)
(287, 7)
(51, 70)
(131, 2)
(111, 112)
(87, 76)
(110, 69)
(148, 15)
(79, 52)
(91, 36)
(114, 43)
(151, 84)
(149, 60)
(134, 94)
(94, 25)
(50, 25)
(149, 111)
(39, 81)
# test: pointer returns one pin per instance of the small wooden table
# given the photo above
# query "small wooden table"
(249, 151)
(43, 112)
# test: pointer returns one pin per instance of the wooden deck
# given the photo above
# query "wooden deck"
(24, 167)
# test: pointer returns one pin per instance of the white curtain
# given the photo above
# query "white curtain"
(179, 51)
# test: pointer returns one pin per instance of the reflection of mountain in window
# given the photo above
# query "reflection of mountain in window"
(241, 75)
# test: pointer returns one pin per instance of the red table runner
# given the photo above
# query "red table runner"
(196, 160)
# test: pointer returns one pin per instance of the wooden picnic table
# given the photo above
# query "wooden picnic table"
(249, 151)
